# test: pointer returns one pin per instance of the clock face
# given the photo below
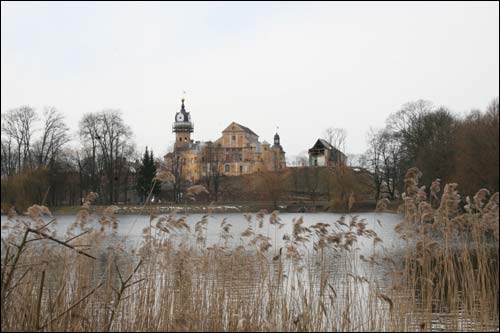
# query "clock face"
(179, 117)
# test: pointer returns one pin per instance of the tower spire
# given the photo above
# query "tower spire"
(277, 137)
(183, 108)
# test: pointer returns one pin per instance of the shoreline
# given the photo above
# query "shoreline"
(215, 209)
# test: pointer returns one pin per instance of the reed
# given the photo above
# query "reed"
(444, 277)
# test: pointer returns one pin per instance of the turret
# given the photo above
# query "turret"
(182, 127)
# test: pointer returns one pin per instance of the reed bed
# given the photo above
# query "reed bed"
(444, 277)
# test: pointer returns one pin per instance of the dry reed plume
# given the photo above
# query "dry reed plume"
(447, 270)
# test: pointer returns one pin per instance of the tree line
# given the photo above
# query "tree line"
(439, 143)
(39, 166)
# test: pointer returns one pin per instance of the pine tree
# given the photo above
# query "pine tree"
(141, 185)
(146, 175)
(151, 176)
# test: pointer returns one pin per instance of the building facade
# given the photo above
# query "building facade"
(324, 154)
(237, 152)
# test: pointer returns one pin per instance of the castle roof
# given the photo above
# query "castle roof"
(242, 128)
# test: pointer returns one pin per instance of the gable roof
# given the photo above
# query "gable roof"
(320, 143)
(335, 155)
(243, 128)
(326, 144)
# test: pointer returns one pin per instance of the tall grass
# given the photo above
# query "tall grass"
(445, 277)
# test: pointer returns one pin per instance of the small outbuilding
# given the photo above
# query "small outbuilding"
(324, 154)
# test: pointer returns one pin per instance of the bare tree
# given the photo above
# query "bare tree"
(88, 157)
(9, 157)
(107, 144)
(215, 160)
(340, 186)
(170, 174)
(408, 115)
(425, 136)
(113, 136)
(372, 160)
(125, 156)
(42, 162)
(312, 180)
(17, 125)
(476, 146)
(273, 185)
(390, 148)
(63, 181)
(54, 136)
(336, 137)
(384, 160)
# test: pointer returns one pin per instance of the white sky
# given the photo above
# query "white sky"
(300, 66)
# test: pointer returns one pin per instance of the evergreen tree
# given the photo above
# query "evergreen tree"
(141, 185)
(145, 176)
(152, 174)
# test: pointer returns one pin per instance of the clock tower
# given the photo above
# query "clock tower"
(182, 127)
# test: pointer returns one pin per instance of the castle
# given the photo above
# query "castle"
(237, 152)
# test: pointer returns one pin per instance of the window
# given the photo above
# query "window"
(241, 168)
(227, 167)
(233, 137)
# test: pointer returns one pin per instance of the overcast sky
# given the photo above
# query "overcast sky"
(300, 66)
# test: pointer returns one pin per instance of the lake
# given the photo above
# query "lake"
(356, 280)
(130, 227)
